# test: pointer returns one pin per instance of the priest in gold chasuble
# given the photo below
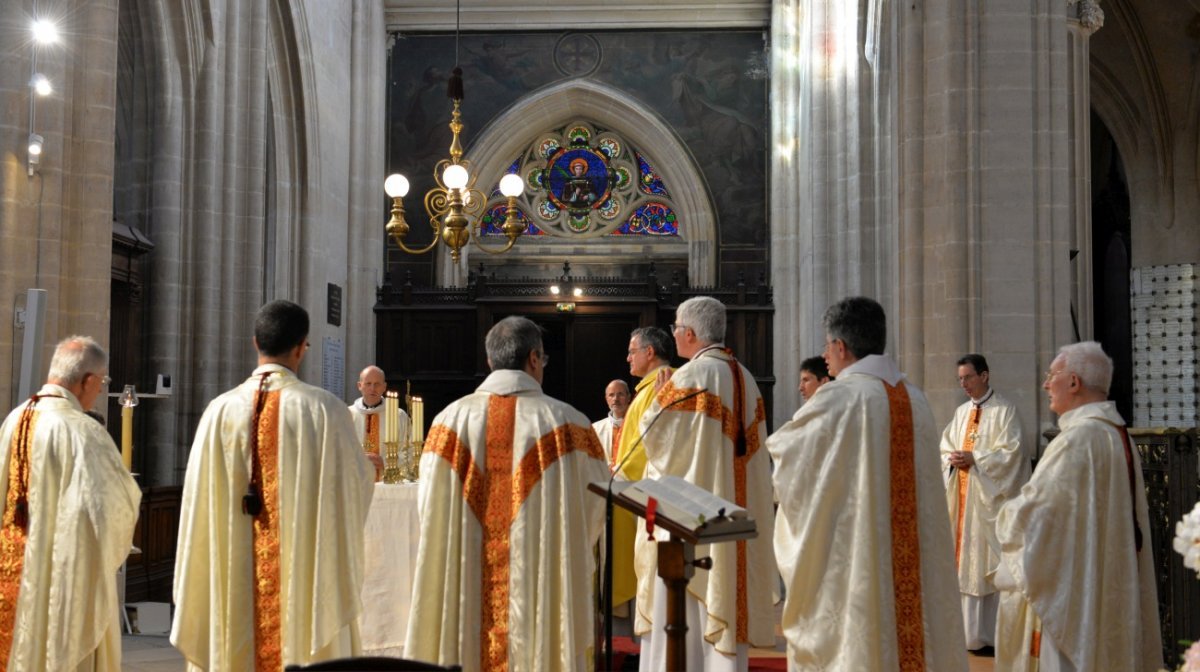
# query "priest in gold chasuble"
(706, 424)
(1077, 573)
(861, 535)
(506, 564)
(269, 567)
(69, 511)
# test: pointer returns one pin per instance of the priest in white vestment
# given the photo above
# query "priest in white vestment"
(608, 430)
(861, 533)
(69, 511)
(1077, 573)
(707, 424)
(506, 559)
(367, 412)
(269, 567)
(984, 464)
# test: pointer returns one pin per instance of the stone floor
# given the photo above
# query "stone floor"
(153, 653)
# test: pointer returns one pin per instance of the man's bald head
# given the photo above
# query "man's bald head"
(616, 395)
(371, 385)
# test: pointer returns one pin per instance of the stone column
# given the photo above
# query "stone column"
(1084, 17)
(832, 200)
(56, 225)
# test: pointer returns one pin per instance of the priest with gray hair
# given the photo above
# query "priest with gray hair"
(707, 424)
(69, 511)
(1076, 568)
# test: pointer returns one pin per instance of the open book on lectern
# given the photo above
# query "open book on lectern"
(706, 516)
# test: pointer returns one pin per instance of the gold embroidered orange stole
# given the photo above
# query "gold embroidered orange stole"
(372, 420)
(495, 495)
(14, 529)
(964, 477)
(906, 547)
(264, 447)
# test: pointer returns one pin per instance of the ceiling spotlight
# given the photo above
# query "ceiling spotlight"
(41, 85)
(35, 144)
(45, 32)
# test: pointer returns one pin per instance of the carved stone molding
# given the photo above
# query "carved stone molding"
(1087, 13)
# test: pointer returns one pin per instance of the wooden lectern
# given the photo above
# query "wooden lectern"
(677, 561)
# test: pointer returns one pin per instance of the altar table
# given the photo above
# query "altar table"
(391, 535)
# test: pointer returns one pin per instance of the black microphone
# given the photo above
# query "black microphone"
(608, 522)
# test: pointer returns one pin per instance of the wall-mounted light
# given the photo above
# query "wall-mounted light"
(41, 85)
(35, 152)
(45, 31)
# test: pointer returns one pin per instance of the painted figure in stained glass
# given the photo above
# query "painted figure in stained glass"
(578, 179)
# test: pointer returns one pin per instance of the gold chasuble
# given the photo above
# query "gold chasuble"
(505, 562)
(861, 534)
(269, 567)
(710, 427)
(69, 511)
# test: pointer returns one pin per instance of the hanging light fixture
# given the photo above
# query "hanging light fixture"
(454, 206)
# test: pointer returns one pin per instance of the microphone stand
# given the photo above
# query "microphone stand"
(608, 530)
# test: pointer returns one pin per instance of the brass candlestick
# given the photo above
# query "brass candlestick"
(392, 472)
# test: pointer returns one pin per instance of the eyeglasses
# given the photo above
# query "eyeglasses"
(676, 327)
(545, 358)
(633, 351)
(1051, 374)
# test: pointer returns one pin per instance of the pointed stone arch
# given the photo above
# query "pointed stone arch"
(511, 132)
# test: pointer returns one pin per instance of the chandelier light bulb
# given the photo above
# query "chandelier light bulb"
(512, 185)
(578, 291)
(45, 32)
(455, 177)
(396, 185)
(555, 290)
(41, 85)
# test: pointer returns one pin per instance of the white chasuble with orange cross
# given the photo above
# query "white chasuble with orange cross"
(715, 440)
(505, 565)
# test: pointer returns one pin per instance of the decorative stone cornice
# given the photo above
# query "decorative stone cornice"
(1087, 13)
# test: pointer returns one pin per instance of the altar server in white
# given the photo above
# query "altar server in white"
(505, 564)
(269, 567)
(69, 511)
(707, 424)
(1077, 573)
(862, 536)
(984, 465)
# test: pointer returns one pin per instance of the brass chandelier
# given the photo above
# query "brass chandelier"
(454, 206)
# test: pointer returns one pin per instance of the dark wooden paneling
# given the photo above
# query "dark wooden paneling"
(149, 574)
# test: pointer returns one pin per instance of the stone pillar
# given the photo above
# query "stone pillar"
(56, 225)
(1084, 17)
(832, 200)
(985, 195)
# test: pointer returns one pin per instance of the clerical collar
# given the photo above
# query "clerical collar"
(373, 406)
(985, 398)
(701, 351)
(616, 422)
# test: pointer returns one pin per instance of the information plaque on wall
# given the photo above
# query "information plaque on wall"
(333, 304)
(333, 366)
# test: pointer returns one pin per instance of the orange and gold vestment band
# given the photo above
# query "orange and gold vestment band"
(373, 433)
(14, 529)
(268, 636)
(906, 546)
(495, 495)
(968, 445)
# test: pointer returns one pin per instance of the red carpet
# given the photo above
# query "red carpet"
(625, 646)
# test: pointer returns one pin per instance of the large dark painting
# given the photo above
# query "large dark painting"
(711, 87)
